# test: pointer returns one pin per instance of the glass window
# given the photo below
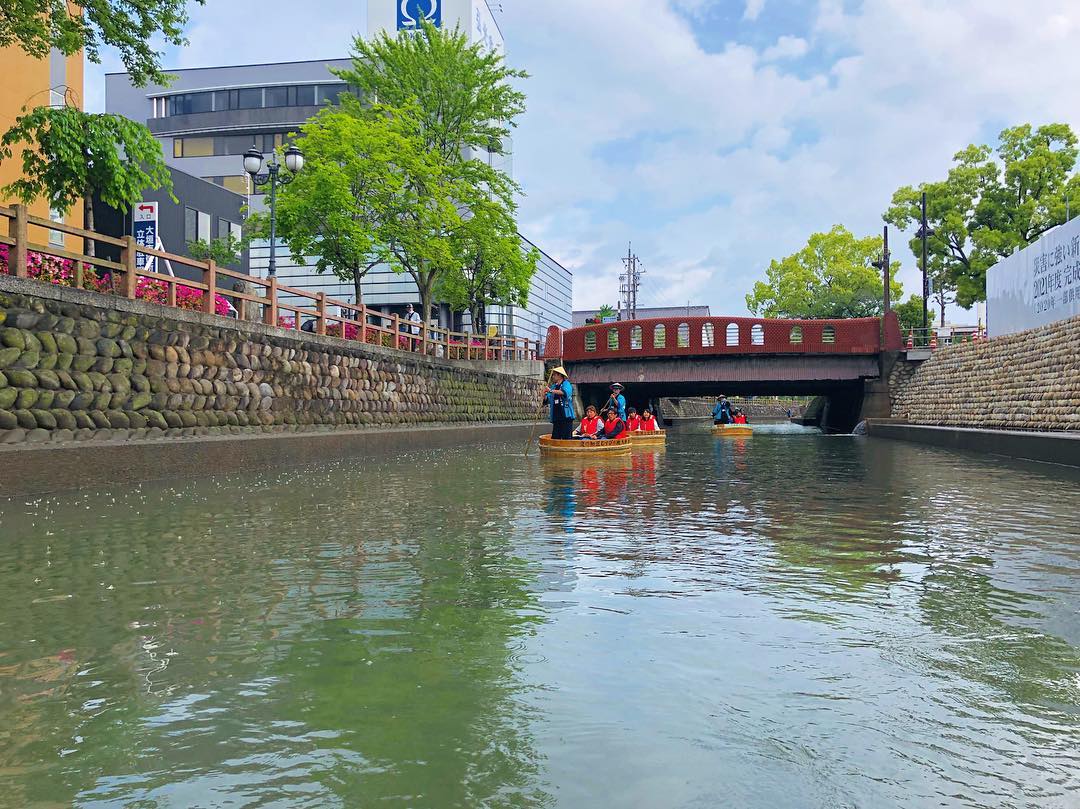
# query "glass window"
(178, 147)
(221, 100)
(292, 96)
(195, 147)
(659, 336)
(249, 98)
(733, 334)
(237, 144)
(191, 225)
(276, 97)
(590, 341)
(328, 93)
(235, 230)
(56, 237)
(613, 339)
(305, 95)
(708, 336)
(190, 103)
(757, 335)
(796, 335)
(684, 335)
(204, 227)
(828, 335)
(237, 183)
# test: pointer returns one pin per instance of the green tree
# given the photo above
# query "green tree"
(466, 105)
(909, 313)
(831, 277)
(489, 264)
(607, 310)
(368, 187)
(73, 154)
(989, 205)
(225, 251)
(133, 27)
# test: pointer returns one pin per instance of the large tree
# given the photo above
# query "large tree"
(466, 106)
(990, 204)
(129, 26)
(831, 277)
(489, 264)
(368, 187)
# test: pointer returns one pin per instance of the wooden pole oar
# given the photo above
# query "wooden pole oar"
(539, 410)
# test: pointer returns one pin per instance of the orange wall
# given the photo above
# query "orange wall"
(25, 83)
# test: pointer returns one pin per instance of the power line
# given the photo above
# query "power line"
(630, 282)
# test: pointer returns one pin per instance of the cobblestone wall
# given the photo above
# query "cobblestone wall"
(72, 367)
(1026, 381)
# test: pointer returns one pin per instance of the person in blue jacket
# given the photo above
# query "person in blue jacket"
(560, 399)
(617, 401)
(721, 414)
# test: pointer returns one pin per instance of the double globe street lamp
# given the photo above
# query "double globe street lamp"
(253, 165)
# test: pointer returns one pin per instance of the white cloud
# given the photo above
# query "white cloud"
(786, 47)
(753, 9)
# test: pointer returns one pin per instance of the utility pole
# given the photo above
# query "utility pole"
(924, 233)
(630, 282)
(884, 266)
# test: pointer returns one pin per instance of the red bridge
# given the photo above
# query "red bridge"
(844, 360)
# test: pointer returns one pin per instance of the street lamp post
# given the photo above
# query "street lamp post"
(924, 232)
(253, 165)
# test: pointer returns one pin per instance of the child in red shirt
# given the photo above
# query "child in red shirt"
(648, 422)
(633, 420)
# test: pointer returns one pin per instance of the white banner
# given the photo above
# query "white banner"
(1037, 285)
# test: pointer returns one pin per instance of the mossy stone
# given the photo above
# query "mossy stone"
(48, 342)
(48, 361)
(155, 419)
(8, 396)
(141, 400)
(83, 420)
(99, 380)
(20, 378)
(44, 419)
(87, 346)
(107, 347)
(48, 379)
(64, 325)
(66, 382)
(12, 338)
(88, 329)
(26, 320)
(32, 342)
(99, 419)
(9, 356)
(128, 333)
(103, 365)
(67, 344)
(64, 398)
(28, 359)
(138, 420)
(26, 419)
(64, 419)
(172, 418)
(119, 383)
(3, 380)
(46, 398)
(110, 330)
(119, 401)
(118, 419)
(83, 380)
(140, 383)
(27, 398)
(187, 418)
(82, 401)
(83, 362)
(8, 420)
(102, 400)
(63, 361)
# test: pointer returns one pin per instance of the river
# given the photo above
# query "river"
(786, 621)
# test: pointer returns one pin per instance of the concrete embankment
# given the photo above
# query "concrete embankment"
(80, 365)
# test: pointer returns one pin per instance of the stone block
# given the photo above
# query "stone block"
(45, 399)
(27, 398)
(107, 347)
(38, 436)
(83, 420)
(64, 419)
(44, 419)
(8, 420)
(49, 380)
(48, 342)
(83, 362)
(100, 420)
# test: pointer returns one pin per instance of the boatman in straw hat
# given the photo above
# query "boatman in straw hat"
(617, 401)
(560, 399)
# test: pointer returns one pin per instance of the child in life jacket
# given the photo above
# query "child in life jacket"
(633, 420)
(590, 425)
(648, 422)
(739, 418)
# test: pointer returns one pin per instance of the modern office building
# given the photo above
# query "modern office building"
(209, 117)
(27, 83)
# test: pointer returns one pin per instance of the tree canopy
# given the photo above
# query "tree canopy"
(831, 277)
(991, 203)
(130, 26)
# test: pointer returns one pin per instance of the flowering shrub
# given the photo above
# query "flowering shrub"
(286, 322)
(54, 270)
(351, 332)
(153, 291)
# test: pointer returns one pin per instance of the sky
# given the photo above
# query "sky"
(716, 135)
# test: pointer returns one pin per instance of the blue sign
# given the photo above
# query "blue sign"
(144, 226)
(411, 12)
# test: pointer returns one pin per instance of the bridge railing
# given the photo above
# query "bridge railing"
(27, 251)
(696, 336)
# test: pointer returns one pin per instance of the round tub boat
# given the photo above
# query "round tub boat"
(583, 449)
(732, 430)
(648, 438)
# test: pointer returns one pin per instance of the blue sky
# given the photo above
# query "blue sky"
(718, 134)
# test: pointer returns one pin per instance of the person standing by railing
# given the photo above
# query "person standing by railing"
(413, 317)
(560, 399)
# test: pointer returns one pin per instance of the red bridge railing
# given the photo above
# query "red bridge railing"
(697, 336)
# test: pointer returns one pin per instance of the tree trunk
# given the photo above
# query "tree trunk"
(358, 290)
(88, 223)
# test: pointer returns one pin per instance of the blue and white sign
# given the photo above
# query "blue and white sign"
(411, 12)
(144, 224)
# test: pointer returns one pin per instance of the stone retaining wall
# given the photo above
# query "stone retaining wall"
(1025, 381)
(76, 365)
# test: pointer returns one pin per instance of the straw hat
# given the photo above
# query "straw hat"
(558, 369)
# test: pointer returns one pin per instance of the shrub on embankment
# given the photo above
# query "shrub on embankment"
(1025, 381)
(77, 365)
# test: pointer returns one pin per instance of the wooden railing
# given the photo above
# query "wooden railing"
(259, 299)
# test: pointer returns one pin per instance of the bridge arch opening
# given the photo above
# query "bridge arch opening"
(613, 339)
(635, 338)
(733, 334)
(757, 335)
(708, 338)
(684, 335)
(590, 341)
(796, 335)
(659, 337)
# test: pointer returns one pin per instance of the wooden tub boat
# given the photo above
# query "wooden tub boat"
(650, 438)
(733, 430)
(583, 449)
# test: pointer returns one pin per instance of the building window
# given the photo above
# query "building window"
(757, 335)
(190, 103)
(684, 335)
(590, 341)
(796, 335)
(237, 183)
(196, 226)
(330, 93)
(613, 339)
(708, 335)
(193, 147)
(221, 100)
(249, 98)
(635, 338)
(56, 98)
(277, 96)
(56, 237)
(305, 95)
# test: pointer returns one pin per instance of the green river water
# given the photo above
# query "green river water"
(786, 621)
